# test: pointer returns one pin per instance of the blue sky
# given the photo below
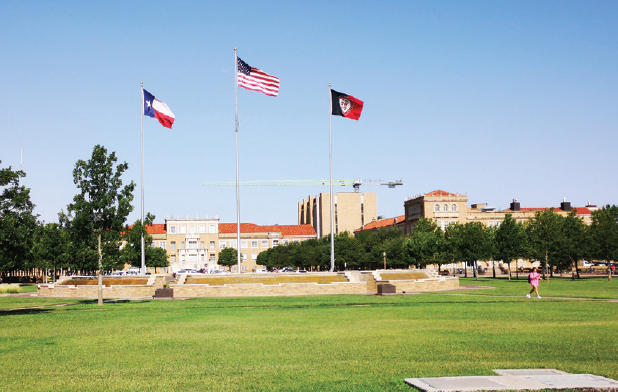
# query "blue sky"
(496, 99)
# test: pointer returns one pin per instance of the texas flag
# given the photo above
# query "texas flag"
(154, 107)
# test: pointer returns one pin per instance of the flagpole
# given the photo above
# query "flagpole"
(332, 204)
(143, 269)
(237, 181)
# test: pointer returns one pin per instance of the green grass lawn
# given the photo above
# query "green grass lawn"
(341, 343)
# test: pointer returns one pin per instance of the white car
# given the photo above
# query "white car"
(261, 271)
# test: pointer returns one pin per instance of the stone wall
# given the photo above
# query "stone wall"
(92, 291)
(358, 282)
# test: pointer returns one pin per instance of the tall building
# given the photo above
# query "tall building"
(352, 210)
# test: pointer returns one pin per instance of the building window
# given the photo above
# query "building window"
(192, 229)
(202, 229)
(454, 207)
(192, 244)
(264, 243)
(285, 242)
(202, 257)
(436, 208)
(183, 229)
(275, 243)
(182, 244)
(254, 244)
(243, 244)
(153, 245)
(233, 244)
(296, 240)
(162, 244)
(192, 258)
(212, 244)
(173, 229)
(221, 244)
(173, 245)
(254, 256)
(211, 257)
(446, 208)
(172, 258)
(212, 228)
(202, 245)
(243, 256)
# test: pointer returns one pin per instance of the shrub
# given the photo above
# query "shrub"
(10, 289)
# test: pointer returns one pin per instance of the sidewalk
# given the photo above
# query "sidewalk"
(515, 380)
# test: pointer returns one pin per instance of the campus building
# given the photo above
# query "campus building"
(352, 210)
(446, 208)
(196, 243)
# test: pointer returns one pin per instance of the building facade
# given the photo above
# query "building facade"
(352, 210)
(196, 243)
(446, 208)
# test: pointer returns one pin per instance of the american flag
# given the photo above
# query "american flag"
(256, 79)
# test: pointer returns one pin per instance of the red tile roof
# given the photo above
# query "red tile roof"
(286, 230)
(439, 192)
(157, 228)
(383, 223)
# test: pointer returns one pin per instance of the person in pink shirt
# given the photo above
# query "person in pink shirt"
(534, 278)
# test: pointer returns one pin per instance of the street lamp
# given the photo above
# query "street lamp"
(384, 254)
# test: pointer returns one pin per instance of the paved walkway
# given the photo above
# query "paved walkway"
(515, 380)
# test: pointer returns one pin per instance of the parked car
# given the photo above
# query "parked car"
(302, 271)
(287, 269)
(261, 271)
(186, 271)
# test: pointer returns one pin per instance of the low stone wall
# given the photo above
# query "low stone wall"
(358, 282)
(92, 290)
(258, 289)
(423, 285)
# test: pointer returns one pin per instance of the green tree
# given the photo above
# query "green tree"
(545, 238)
(474, 244)
(17, 222)
(349, 253)
(52, 247)
(228, 257)
(131, 253)
(423, 245)
(100, 208)
(510, 241)
(576, 244)
(604, 233)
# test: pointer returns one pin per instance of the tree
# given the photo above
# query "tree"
(349, 253)
(131, 253)
(52, 247)
(576, 244)
(100, 208)
(474, 243)
(545, 238)
(228, 257)
(510, 241)
(423, 244)
(604, 233)
(17, 221)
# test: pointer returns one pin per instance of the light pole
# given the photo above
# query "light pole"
(97, 219)
(384, 254)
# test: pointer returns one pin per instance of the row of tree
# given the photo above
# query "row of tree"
(100, 208)
(558, 241)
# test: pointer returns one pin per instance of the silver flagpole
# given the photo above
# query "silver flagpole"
(332, 204)
(142, 145)
(237, 182)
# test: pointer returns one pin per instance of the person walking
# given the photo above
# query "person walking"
(533, 279)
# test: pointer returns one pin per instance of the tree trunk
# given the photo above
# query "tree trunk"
(509, 271)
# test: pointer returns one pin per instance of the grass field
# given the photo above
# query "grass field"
(340, 343)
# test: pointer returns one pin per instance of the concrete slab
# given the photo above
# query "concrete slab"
(514, 380)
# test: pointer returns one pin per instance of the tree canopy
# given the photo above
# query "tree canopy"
(101, 207)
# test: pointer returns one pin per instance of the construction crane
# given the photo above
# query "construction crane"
(354, 183)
